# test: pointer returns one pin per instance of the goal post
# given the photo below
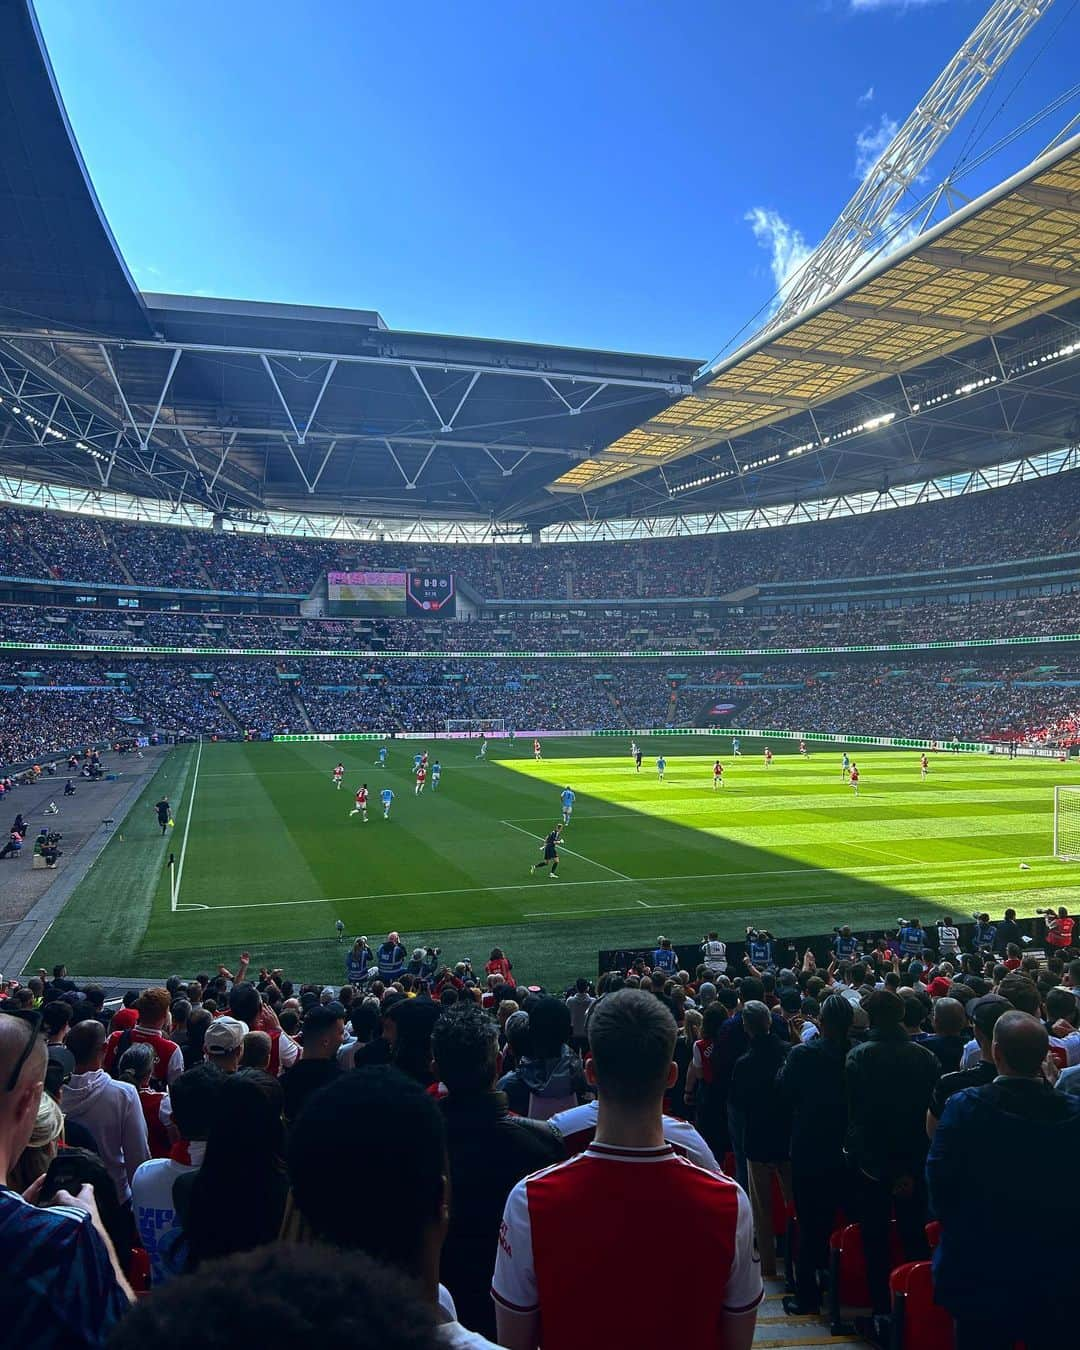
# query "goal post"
(476, 726)
(1067, 823)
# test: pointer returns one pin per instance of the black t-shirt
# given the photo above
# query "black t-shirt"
(163, 810)
(950, 1083)
(303, 1079)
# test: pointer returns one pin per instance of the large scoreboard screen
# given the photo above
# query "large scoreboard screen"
(391, 594)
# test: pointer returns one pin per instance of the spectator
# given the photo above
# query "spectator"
(499, 965)
(548, 1077)
(63, 1288)
(413, 1020)
(811, 1082)
(767, 1124)
(223, 1043)
(388, 1120)
(109, 1109)
(949, 1035)
(364, 1025)
(1019, 1117)
(256, 1051)
(152, 1009)
(324, 1030)
(704, 1088)
(579, 1003)
(541, 1277)
(489, 1151)
(135, 1067)
(984, 1015)
(308, 1297)
(41, 1147)
(194, 1098)
(889, 1082)
(236, 1200)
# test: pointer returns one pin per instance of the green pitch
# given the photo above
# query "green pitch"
(271, 859)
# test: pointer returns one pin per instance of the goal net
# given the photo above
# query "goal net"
(1067, 823)
(475, 726)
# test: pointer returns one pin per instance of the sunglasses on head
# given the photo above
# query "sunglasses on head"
(33, 1017)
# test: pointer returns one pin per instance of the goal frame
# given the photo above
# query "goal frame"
(1065, 792)
(476, 726)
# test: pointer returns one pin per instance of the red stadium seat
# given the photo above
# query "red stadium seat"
(849, 1290)
(933, 1234)
(918, 1323)
(138, 1271)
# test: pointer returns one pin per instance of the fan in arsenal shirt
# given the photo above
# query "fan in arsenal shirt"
(540, 1279)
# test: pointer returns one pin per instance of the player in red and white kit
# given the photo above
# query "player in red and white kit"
(423, 760)
(854, 778)
(360, 809)
(339, 774)
(536, 748)
(768, 758)
(421, 779)
(717, 775)
(924, 765)
(802, 749)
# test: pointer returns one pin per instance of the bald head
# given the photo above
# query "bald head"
(1020, 1045)
(949, 1017)
(14, 1034)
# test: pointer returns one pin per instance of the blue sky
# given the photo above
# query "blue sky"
(609, 173)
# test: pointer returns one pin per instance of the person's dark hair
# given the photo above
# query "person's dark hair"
(181, 1012)
(448, 998)
(1021, 993)
(549, 1026)
(632, 1040)
(414, 1019)
(837, 1015)
(885, 1009)
(256, 1050)
(751, 989)
(496, 954)
(84, 1040)
(915, 1011)
(713, 1018)
(290, 1021)
(1061, 1005)
(464, 1043)
(581, 985)
(194, 1098)
(381, 1116)
(308, 1295)
(364, 1020)
(245, 1002)
(242, 1176)
(197, 1027)
(55, 1017)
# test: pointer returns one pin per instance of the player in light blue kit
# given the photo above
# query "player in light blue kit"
(387, 796)
(381, 761)
(567, 797)
(661, 765)
(436, 774)
(483, 747)
(736, 749)
(417, 760)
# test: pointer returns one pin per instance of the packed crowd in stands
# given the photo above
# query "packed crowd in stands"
(1027, 617)
(1028, 520)
(60, 703)
(205, 1154)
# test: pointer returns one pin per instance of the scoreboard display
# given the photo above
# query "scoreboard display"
(378, 594)
(430, 593)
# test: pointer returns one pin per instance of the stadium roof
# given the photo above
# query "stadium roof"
(1007, 258)
(956, 351)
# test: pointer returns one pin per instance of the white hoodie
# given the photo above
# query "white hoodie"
(113, 1114)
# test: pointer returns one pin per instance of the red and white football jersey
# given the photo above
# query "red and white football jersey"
(421, 774)
(581, 1296)
(577, 1126)
(361, 797)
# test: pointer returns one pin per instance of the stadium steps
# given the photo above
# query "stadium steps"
(777, 1331)
(302, 712)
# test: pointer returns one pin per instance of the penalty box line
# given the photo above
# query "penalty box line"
(531, 885)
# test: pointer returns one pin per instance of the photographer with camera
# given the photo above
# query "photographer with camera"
(845, 946)
(760, 949)
(358, 962)
(912, 937)
(1059, 928)
(714, 955)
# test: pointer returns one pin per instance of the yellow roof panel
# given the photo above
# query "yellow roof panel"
(1009, 259)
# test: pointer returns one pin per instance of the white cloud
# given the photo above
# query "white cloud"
(866, 6)
(865, 98)
(871, 142)
(786, 246)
